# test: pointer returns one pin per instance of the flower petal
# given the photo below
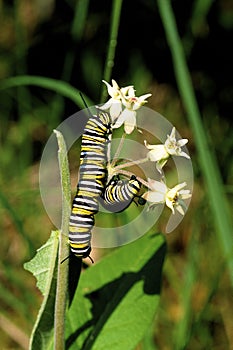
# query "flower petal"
(120, 120)
(125, 90)
(128, 118)
(131, 92)
(130, 121)
(182, 142)
(140, 101)
(180, 209)
(179, 187)
(148, 145)
(157, 153)
(172, 134)
(142, 98)
(183, 154)
(169, 204)
(115, 110)
(157, 186)
(115, 86)
(185, 194)
(107, 104)
(114, 90)
(154, 197)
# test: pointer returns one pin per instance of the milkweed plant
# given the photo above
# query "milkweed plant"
(123, 287)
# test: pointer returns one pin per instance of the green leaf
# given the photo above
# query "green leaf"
(117, 298)
(43, 267)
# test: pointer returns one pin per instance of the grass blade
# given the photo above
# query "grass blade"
(57, 86)
(215, 190)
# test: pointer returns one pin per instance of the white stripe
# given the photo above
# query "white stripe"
(80, 235)
(81, 221)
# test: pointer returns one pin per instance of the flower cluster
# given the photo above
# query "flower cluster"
(122, 107)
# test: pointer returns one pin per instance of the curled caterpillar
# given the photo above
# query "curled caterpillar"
(119, 194)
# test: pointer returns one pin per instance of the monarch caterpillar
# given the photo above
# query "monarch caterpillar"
(119, 194)
(92, 179)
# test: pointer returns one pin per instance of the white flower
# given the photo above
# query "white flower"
(161, 153)
(132, 104)
(173, 146)
(157, 154)
(114, 103)
(123, 98)
(173, 198)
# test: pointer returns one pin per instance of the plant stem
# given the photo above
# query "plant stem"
(211, 173)
(109, 63)
(119, 148)
(62, 277)
(128, 164)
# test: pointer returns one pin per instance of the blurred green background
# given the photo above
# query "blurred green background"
(67, 40)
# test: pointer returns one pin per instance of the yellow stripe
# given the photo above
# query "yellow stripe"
(79, 246)
(87, 194)
(80, 211)
(78, 229)
(93, 177)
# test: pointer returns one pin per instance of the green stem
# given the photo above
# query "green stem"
(62, 277)
(77, 29)
(109, 63)
(211, 173)
(118, 151)
(79, 20)
(128, 164)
